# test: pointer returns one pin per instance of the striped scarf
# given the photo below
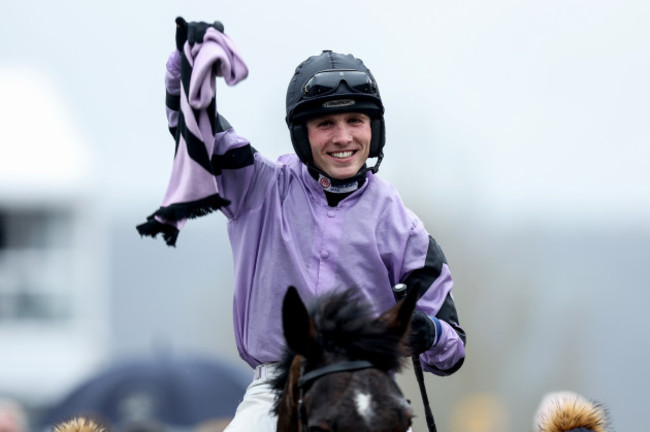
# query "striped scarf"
(193, 122)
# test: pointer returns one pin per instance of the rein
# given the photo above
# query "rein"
(399, 291)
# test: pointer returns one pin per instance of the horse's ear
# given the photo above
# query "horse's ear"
(299, 328)
(398, 317)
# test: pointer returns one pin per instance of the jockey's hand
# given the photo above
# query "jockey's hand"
(193, 32)
(423, 333)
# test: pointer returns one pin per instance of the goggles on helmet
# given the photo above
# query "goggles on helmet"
(327, 81)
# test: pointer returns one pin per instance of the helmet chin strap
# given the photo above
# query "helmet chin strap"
(375, 168)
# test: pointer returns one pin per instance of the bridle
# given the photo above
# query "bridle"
(311, 376)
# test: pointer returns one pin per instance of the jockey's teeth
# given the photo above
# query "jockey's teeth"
(343, 154)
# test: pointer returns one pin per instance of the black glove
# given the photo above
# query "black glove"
(193, 32)
(423, 333)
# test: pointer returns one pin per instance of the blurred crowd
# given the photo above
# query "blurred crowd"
(14, 417)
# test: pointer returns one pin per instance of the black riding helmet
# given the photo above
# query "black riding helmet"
(331, 83)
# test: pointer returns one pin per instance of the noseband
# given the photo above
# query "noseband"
(309, 377)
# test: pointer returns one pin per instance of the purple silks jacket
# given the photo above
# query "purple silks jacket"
(283, 232)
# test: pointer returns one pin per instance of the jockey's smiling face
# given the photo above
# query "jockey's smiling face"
(340, 143)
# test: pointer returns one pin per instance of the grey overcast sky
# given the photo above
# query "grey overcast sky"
(510, 108)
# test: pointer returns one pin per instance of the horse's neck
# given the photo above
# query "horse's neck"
(288, 419)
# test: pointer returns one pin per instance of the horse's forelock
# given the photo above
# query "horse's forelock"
(346, 327)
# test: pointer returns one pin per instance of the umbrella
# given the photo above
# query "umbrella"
(175, 391)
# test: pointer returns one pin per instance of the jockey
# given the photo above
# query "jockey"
(320, 219)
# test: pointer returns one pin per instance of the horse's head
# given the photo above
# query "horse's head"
(337, 373)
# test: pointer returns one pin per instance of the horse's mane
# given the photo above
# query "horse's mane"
(346, 328)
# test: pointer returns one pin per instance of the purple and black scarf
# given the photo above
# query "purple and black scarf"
(204, 53)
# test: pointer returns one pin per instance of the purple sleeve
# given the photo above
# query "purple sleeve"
(244, 174)
(430, 274)
(173, 88)
(447, 353)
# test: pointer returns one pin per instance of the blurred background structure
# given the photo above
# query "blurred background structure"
(516, 130)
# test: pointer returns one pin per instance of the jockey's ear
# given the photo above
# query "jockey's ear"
(398, 317)
(299, 328)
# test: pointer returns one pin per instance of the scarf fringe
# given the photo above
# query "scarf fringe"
(193, 209)
(152, 228)
(176, 212)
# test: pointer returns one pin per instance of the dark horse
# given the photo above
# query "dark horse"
(337, 373)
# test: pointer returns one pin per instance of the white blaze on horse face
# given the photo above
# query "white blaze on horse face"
(363, 402)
